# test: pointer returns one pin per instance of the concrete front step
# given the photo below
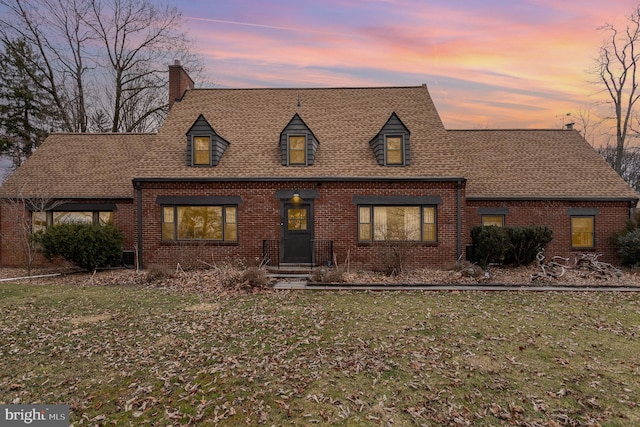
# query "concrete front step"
(289, 275)
(291, 284)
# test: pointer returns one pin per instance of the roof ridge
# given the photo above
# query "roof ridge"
(309, 88)
(513, 130)
(103, 133)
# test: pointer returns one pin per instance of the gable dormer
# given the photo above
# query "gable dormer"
(391, 145)
(204, 146)
(298, 145)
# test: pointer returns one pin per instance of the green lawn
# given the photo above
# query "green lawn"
(143, 356)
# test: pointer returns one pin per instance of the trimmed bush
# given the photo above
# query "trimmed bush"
(526, 242)
(629, 248)
(491, 244)
(508, 245)
(628, 241)
(85, 245)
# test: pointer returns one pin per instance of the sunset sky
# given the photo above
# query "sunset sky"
(487, 64)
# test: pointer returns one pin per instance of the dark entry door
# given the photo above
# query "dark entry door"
(298, 233)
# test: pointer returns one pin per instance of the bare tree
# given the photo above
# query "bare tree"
(21, 211)
(139, 39)
(102, 59)
(629, 163)
(617, 67)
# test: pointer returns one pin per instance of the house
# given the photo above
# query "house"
(310, 176)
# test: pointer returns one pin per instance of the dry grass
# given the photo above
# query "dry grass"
(137, 355)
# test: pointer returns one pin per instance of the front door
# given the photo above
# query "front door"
(297, 224)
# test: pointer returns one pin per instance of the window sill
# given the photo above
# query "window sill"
(410, 244)
(197, 243)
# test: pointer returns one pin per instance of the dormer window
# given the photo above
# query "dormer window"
(204, 146)
(201, 150)
(297, 150)
(298, 145)
(394, 149)
(391, 145)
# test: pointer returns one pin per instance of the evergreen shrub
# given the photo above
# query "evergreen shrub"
(85, 245)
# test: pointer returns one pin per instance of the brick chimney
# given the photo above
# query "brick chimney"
(179, 82)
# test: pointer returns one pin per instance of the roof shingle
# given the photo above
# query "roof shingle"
(535, 164)
(344, 120)
(71, 165)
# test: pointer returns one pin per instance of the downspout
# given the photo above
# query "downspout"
(139, 254)
(459, 220)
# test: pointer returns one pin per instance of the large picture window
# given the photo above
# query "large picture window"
(582, 232)
(41, 220)
(397, 223)
(215, 223)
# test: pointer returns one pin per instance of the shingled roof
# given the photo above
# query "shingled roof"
(343, 120)
(533, 164)
(71, 165)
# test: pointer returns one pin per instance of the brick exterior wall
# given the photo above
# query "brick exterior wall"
(611, 218)
(14, 217)
(335, 218)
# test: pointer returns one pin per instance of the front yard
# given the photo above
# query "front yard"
(139, 355)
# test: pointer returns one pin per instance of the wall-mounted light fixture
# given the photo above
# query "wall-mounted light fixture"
(296, 198)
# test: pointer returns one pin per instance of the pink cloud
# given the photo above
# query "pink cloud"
(515, 63)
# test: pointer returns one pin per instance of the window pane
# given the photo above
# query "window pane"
(106, 218)
(364, 220)
(429, 224)
(231, 226)
(396, 223)
(38, 221)
(582, 232)
(429, 232)
(364, 232)
(168, 223)
(297, 150)
(365, 215)
(201, 149)
(394, 150)
(297, 219)
(497, 220)
(200, 222)
(73, 218)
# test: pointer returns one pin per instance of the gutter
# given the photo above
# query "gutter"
(550, 198)
(459, 220)
(303, 179)
(139, 206)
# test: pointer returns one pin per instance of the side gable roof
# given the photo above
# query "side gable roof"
(536, 164)
(344, 119)
(80, 166)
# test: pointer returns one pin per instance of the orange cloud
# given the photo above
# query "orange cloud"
(499, 64)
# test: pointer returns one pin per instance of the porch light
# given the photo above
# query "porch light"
(296, 198)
